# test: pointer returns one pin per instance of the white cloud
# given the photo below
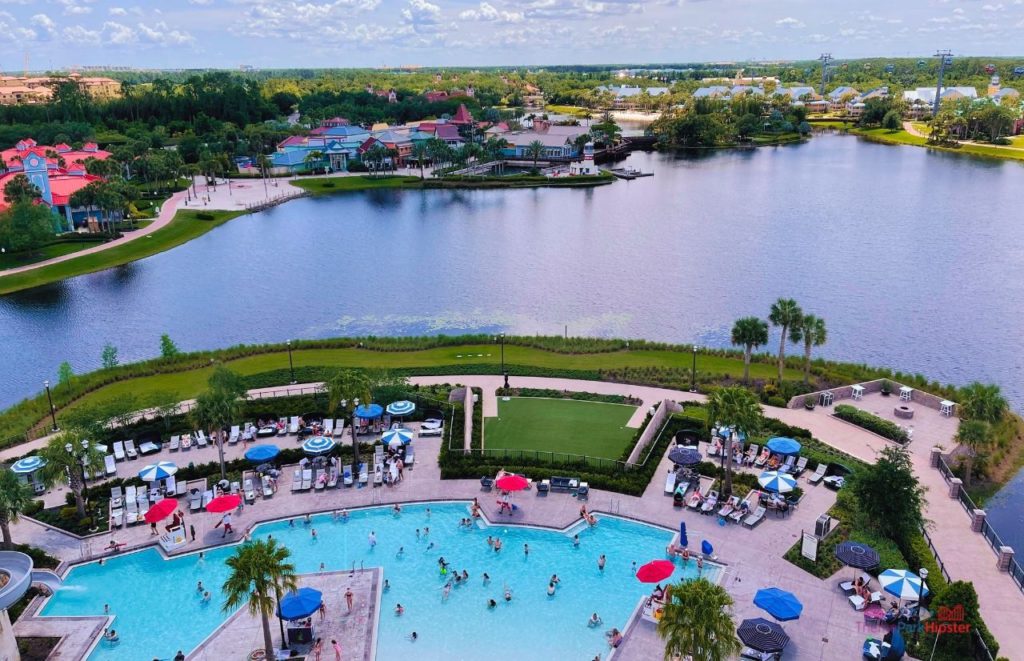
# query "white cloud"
(162, 35)
(421, 13)
(45, 22)
(200, 2)
(488, 12)
(77, 34)
(117, 11)
(790, 22)
(71, 8)
(996, 7)
(118, 33)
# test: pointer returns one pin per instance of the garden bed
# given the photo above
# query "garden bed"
(871, 422)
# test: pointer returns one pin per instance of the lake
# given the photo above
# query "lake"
(915, 260)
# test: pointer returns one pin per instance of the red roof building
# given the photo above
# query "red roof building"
(462, 116)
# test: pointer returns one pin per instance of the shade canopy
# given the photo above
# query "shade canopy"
(784, 445)
(158, 471)
(161, 510)
(763, 635)
(726, 432)
(684, 456)
(857, 555)
(903, 583)
(369, 411)
(655, 571)
(780, 604)
(512, 483)
(318, 445)
(404, 407)
(299, 604)
(403, 436)
(224, 503)
(27, 465)
(777, 482)
(261, 453)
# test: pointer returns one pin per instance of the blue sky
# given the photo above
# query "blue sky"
(338, 33)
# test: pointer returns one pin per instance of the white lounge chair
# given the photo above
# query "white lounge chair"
(174, 444)
(186, 442)
(143, 504)
(762, 458)
(181, 488)
(297, 480)
(118, 450)
(410, 456)
(282, 426)
(207, 497)
(339, 427)
(307, 479)
(130, 493)
(755, 518)
(711, 502)
(363, 475)
(117, 517)
(378, 475)
(332, 479)
(201, 438)
(328, 426)
(751, 454)
(752, 501)
(320, 480)
(195, 501)
(268, 487)
(129, 449)
(250, 493)
(235, 488)
(131, 512)
(233, 436)
(108, 463)
(347, 475)
(170, 487)
(819, 473)
(116, 497)
(801, 466)
(729, 506)
(293, 425)
(670, 483)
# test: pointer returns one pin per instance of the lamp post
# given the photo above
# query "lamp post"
(504, 373)
(923, 573)
(693, 371)
(291, 365)
(49, 398)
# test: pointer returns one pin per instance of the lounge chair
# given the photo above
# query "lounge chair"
(182, 488)
(801, 466)
(116, 497)
(175, 443)
(752, 501)
(762, 459)
(154, 494)
(170, 487)
(819, 473)
(207, 497)
(410, 456)
(363, 475)
(233, 436)
(131, 512)
(186, 442)
(195, 501)
(670, 483)
(754, 655)
(293, 425)
(250, 493)
(297, 480)
(486, 483)
(332, 478)
(711, 502)
(789, 465)
(583, 491)
(235, 488)
(730, 505)
(129, 449)
(118, 450)
(755, 518)
(116, 517)
(432, 427)
(346, 475)
(339, 426)
(858, 602)
(143, 504)
(108, 464)
(328, 427)
(698, 495)
(268, 487)
(201, 438)
(282, 426)
(130, 493)
(307, 479)
(378, 475)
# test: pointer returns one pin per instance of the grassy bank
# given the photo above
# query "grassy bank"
(901, 137)
(185, 226)
(14, 260)
(574, 111)
(519, 181)
(330, 185)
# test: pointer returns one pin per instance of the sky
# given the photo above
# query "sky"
(170, 34)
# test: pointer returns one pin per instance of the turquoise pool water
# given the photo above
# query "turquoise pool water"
(158, 612)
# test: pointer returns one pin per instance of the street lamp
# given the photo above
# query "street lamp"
(291, 365)
(504, 372)
(693, 371)
(49, 398)
(923, 573)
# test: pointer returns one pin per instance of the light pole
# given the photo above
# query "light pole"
(693, 371)
(923, 573)
(355, 439)
(504, 373)
(49, 398)
(291, 365)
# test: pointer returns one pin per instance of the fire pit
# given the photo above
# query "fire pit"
(904, 412)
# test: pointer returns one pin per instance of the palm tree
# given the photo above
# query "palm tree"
(973, 435)
(785, 313)
(738, 407)
(219, 405)
(535, 150)
(313, 159)
(749, 332)
(812, 332)
(420, 153)
(696, 622)
(260, 572)
(70, 458)
(15, 497)
(982, 402)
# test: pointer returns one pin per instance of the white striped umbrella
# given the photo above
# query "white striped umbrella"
(777, 482)
(158, 471)
(902, 583)
(318, 445)
(28, 465)
(403, 436)
(404, 407)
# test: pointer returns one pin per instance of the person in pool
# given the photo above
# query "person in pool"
(111, 636)
(551, 589)
(399, 609)
(508, 594)
(594, 621)
(491, 603)
(555, 580)
(413, 637)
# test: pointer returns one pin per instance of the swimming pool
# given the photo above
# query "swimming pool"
(158, 612)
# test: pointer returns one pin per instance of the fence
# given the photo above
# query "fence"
(287, 391)
(510, 456)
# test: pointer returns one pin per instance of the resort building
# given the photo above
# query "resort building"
(558, 141)
(725, 92)
(16, 90)
(627, 97)
(799, 93)
(921, 100)
(841, 96)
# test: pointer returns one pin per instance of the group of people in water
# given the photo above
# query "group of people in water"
(587, 516)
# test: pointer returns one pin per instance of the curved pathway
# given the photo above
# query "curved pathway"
(912, 130)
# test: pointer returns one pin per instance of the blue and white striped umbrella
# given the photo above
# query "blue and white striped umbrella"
(902, 583)
(404, 436)
(28, 465)
(318, 445)
(777, 482)
(404, 407)
(158, 471)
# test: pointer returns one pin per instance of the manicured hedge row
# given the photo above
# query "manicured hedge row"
(567, 394)
(871, 422)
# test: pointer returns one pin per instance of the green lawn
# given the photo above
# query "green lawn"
(594, 429)
(901, 137)
(328, 185)
(13, 260)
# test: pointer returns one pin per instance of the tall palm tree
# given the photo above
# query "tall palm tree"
(749, 332)
(15, 497)
(982, 402)
(738, 407)
(260, 572)
(420, 153)
(70, 458)
(218, 406)
(313, 159)
(785, 313)
(535, 150)
(974, 436)
(812, 332)
(696, 622)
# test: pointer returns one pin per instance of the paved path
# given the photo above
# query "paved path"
(912, 130)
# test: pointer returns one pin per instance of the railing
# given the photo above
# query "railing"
(935, 552)
(287, 391)
(510, 455)
(965, 500)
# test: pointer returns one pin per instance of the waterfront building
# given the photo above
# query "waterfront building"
(921, 100)
(628, 97)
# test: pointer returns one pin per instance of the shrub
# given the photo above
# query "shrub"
(871, 422)
(357, 166)
(68, 513)
(328, 184)
(204, 215)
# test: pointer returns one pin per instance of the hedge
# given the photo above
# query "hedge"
(551, 393)
(871, 422)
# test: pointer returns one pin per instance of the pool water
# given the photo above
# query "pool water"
(159, 612)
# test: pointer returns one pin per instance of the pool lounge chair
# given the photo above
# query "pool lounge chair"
(297, 480)
(801, 466)
(130, 493)
(170, 487)
(143, 504)
(378, 474)
(195, 501)
(118, 450)
(789, 464)
(339, 426)
(268, 487)
(116, 497)
(108, 464)
(730, 505)
(201, 438)
(819, 473)
(328, 427)
(207, 497)
(755, 518)
(293, 425)
(174, 444)
(752, 501)
(583, 491)
(307, 479)
(117, 517)
(250, 493)
(755, 655)
(410, 457)
(710, 504)
(751, 454)
(363, 475)
(186, 442)
(332, 478)
(131, 512)
(182, 488)
(762, 459)
(235, 488)
(670, 483)
(698, 494)
(129, 449)
(282, 426)
(320, 482)
(233, 436)
(346, 475)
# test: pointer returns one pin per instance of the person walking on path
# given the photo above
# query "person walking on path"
(337, 650)
(192, 530)
(348, 598)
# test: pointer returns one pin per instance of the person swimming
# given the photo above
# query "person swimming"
(199, 587)
(446, 590)
(487, 578)
(551, 589)
(206, 597)
(399, 609)
(413, 637)
(594, 621)
(508, 594)
(600, 562)
(387, 585)
(491, 603)
(111, 636)
(576, 540)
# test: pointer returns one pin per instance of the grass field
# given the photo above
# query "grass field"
(903, 138)
(560, 425)
(329, 185)
(14, 260)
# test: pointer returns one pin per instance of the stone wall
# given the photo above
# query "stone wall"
(662, 410)
(920, 397)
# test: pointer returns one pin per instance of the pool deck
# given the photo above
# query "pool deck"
(355, 631)
(829, 627)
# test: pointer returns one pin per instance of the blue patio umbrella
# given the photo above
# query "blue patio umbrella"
(158, 471)
(902, 583)
(726, 432)
(299, 604)
(404, 407)
(780, 604)
(777, 482)
(318, 445)
(369, 411)
(783, 445)
(683, 541)
(706, 548)
(262, 453)
(28, 465)
(404, 436)
(684, 456)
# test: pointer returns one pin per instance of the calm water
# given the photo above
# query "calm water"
(557, 625)
(915, 259)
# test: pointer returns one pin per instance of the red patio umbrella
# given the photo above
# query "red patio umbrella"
(512, 483)
(161, 510)
(224, 503)
(655, 571)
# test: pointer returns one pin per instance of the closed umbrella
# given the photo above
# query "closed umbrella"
(299, 604)
(655, 571)
(780, 604)
(763, 635)
(783, 445)
(161, 510)
(318, 445)
(224, 503)
(857, 555)
(262, 453)
(902, 583)
(27, 465)
(512, 483)
(683, 541)
(403, 436)
(402, 408)
(684, 456)
(158, 471)
(777, 482)
(369, 411)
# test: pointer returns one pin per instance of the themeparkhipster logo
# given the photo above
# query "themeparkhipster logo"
(948, 620)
